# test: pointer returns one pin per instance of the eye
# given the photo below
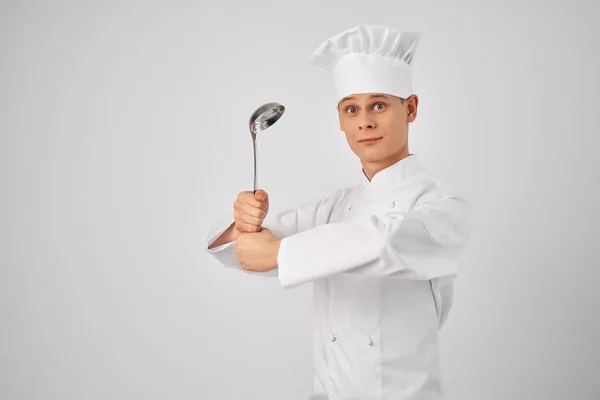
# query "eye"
(381, 104)
(350, 107)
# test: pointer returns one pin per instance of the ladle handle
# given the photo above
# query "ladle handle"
(255, 150)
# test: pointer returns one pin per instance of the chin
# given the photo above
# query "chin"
(373, 157)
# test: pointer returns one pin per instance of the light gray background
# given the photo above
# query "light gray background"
(124, 134)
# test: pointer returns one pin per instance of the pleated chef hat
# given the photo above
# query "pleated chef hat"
(369, 59)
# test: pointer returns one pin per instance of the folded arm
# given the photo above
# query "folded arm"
(422, 244)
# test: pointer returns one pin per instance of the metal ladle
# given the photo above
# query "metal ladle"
(264, 116)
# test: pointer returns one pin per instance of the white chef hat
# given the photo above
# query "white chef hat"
(369, 59)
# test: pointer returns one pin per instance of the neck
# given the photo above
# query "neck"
(370, 168)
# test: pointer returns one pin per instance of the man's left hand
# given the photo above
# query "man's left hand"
(257, 251)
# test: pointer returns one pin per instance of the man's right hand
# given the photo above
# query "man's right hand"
(249, 211)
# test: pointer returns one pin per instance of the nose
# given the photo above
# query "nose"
(366, 122)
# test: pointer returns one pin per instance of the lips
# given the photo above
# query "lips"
(369, 140)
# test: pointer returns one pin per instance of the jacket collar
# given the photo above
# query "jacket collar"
(395, 173)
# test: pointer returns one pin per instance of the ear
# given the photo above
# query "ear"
(412, 103)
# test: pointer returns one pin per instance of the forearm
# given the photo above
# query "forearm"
(229, 235)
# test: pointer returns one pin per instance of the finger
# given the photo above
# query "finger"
(255, 203)
(243, 196)
(254, 212)
(247, 207)
(250, 220)
(245, 227)
(249, 215)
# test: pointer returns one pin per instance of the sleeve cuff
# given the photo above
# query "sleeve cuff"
(282, 266)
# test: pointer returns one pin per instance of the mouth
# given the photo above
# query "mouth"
(370, 140)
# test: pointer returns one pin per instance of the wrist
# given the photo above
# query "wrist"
(276, 252)
(235, 232)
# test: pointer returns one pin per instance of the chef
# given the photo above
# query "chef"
(382, 255)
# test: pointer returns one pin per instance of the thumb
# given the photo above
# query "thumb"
(260, 195)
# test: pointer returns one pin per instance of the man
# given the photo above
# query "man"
(382, 255)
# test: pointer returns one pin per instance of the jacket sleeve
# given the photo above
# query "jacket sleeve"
(422, 244)
(283, 224)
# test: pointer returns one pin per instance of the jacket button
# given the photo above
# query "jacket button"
(393, 204)
(350, 207)
(333, 338)
(370, 342)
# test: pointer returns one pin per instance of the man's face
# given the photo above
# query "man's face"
(377, 115)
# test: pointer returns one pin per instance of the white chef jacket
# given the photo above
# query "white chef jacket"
(382, 257)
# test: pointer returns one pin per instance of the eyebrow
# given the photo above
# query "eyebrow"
(373, 96)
